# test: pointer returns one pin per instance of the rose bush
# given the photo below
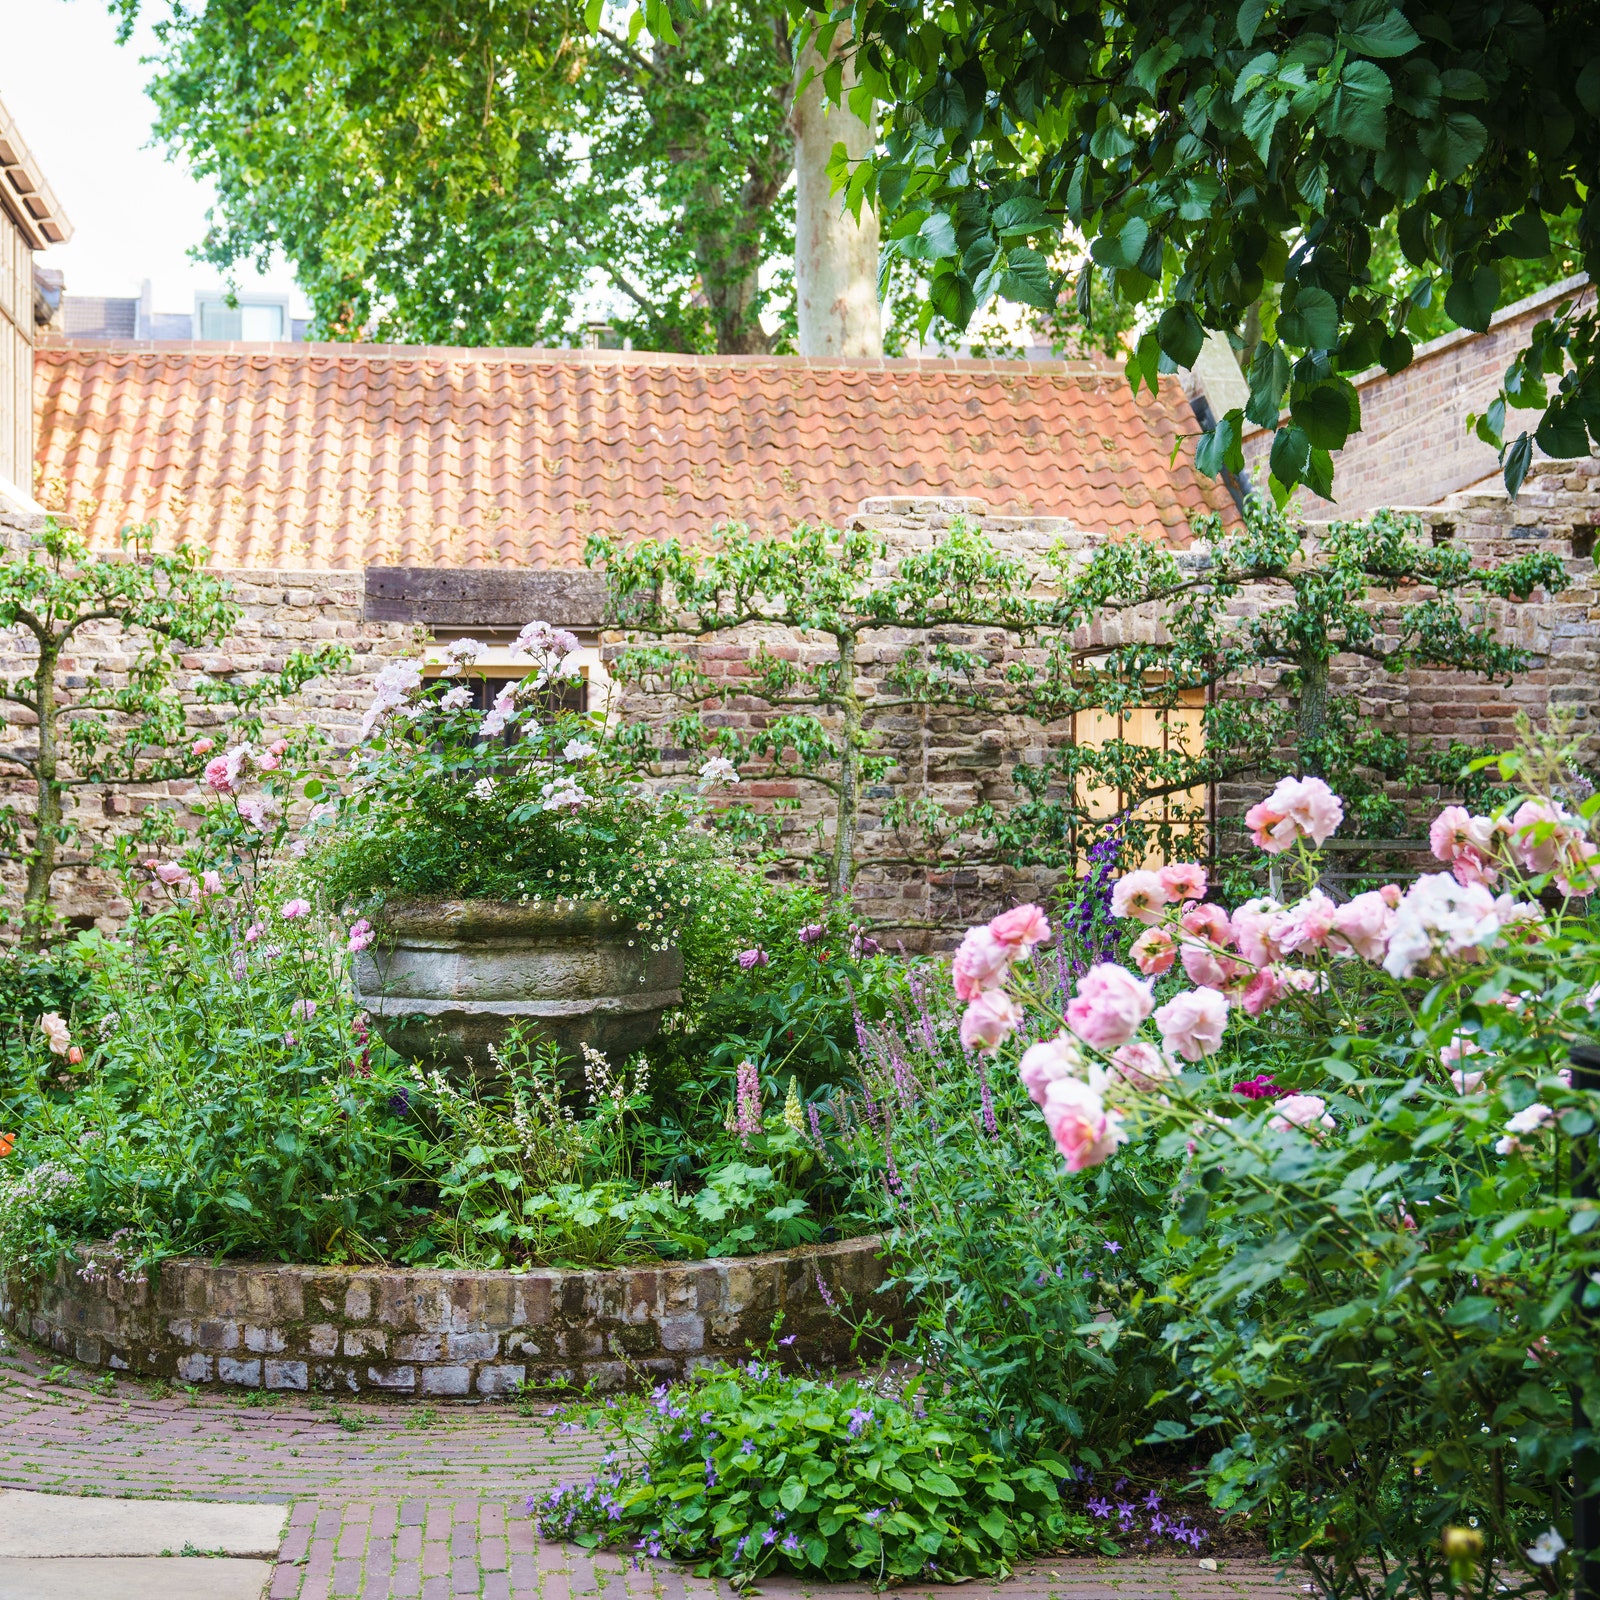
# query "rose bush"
(1384, 1308)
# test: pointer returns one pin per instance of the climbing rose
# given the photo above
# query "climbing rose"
(1084, 1131)
(1192, 1023)
(1258, 925)
(1140, 895)
(204, 747)
(1020, 928)
(1300, 1111)
(1154, 952)
(1043, 1063)
(755, 957)
(1440, 917)
(1307, 924)
(1183, 880)
(361, 935)
(1362, 924)
(988, 1020)
(1466, 1082)
(1299, 808)
(981, 963)
(217, 775)
(1109, 1006)
(1141, 1064)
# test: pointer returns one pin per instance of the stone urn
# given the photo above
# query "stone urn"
(445, 979)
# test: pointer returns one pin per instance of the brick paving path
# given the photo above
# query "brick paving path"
(421, 1503)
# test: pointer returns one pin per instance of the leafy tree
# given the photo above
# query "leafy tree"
(1220, 154)
(466, 173)
(1265, 624)
(874, 645)
(87, 728)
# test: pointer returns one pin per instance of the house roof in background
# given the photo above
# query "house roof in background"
(24, 194)
(348, 456)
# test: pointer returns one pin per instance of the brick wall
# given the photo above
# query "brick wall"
(954, 759)
(1414, 447)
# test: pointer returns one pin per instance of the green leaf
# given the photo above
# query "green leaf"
(791, 1494)
(934, 240)
(1471, 301)
(1588, 88)
(1402, 168)
(1022, 214)
(1527, 238)
(1561, 435)
(1180, 334)
(1395, 352)
(1328, 413)
(1313, 320)
(1377, 31)
(1249, 20)
(1356, 110)
(1219, 448)
(1124, 247)
(994, 1523)
(1454, 143)
(1518, 458)
(1319, 473)
(1269, 378)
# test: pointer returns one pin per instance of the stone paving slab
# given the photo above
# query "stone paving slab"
(179, 1578)
(60, 1525)
(400, 1502)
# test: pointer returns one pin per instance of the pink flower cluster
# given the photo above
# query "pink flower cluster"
(1542, 838)
(980, 970)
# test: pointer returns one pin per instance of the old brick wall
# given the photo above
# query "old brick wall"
(1414, 447)
(955, 759)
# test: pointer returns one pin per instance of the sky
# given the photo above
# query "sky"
(135, 213)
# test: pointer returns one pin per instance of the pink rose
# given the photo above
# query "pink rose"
(1109, 1006)
(1257, 925)
(1154, 952)
(754, 957)
(1300, 1111)
(1192, 1023)
(1470, 867)
(1466, 1082)
(170, 874)
(1362, 925)
(211, 883)
(981, 963)
(203, 747)
(1208, 969)
(1140, 895)
(361, 935)
(1043, 1063)
(1299, 808)
(1184, 880)
(1307, 924)
(989, 1020)
(303, 1010)
(1208, 922)
(267, 761)
(1458, 1049)
(292, 909)
(1265, 990)
(279, 748)
(219, 774)
(1084, 1131)
(1020, 928)
(1141, 1064)
(254, 932)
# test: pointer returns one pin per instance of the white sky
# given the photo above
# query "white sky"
(78, 100)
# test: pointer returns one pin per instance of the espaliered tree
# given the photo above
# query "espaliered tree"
(78, 730)
(1370, 594)
(816, 720)
(1251, 167)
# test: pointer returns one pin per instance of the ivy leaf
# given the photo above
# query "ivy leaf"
(1312, 321)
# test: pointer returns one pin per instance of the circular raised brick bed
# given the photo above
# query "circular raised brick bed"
(426, 1334)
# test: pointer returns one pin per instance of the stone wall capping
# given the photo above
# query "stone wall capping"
(448, 1333)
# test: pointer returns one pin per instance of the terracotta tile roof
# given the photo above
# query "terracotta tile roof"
(345, 456)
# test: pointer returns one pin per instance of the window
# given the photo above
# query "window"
(256, 321)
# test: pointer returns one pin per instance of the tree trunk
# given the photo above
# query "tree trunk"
(835, 258)
(1311, 716)
(730, 266)
(47, 811)
(842, 869)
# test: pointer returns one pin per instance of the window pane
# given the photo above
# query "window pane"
(262, 323)
(217, 321)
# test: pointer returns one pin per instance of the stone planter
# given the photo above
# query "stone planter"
(447, 978)
(400, 1331)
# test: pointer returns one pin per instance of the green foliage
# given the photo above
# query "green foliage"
(468, 174)
(1367, 593)
(129, 729)
(1219, 154)
(749, 1472)
(815, 726)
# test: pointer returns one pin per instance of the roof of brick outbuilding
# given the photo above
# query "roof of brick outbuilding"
(344, 456)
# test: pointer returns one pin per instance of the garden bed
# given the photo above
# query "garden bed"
(446, 1333)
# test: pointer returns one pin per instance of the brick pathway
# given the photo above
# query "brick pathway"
(422, 1503)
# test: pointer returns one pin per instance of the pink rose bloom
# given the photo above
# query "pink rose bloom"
(267, 761)
(1109, 1006)
(1299, 808)
(1307, 924)
(295, 908)
(1300, 1111)
(1541, 833)
(1154, 952)
(303, 1010)
(1020, 928)
(1459, 1048)
(203, 747)
(170, 874)
(1257, 925)
(219, 775)
(1206, 968)
(989, 1020)
(1043, 1063)
(1191, 1023)
(211, 883)
(1184, 880)
(1141, 1064)
(1471, 867)
(1391, 894)
(254, 932)
(361, 935)
(279, 748)
(1084, 1131)
(1265, 990)
(1466, 1082)
(1140, 895)
(980, 964)
(1208, 922)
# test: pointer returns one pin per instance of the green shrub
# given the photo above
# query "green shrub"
(750, 1471)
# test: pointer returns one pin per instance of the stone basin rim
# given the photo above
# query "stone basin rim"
(413, 919)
